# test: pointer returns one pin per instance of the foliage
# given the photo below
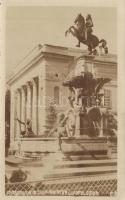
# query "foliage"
(18, 176)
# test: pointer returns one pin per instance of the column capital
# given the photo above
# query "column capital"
(23, 88)
(29, 83)
(34, 80)
(18, 90)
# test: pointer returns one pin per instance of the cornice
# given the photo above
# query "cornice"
(35, 60)
(57, 53)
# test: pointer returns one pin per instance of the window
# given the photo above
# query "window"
(56, 94)
(107, 98)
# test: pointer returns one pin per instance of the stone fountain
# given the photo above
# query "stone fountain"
(86, 100)
(85, 119)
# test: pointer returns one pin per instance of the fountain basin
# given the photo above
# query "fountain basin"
(37, 147)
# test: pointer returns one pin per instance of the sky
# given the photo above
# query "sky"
(28, 26)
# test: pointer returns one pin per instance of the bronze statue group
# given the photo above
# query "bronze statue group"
(83, 31)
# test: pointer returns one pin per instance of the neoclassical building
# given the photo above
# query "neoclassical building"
(36, 86)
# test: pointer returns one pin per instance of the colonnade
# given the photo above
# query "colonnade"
(26, 106)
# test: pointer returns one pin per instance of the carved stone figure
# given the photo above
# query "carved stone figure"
(60, 128)
(70, 123)
(28, 128)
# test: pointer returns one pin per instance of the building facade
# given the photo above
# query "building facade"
(37, 92)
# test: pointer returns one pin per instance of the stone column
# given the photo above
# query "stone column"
(34, 106)
(29, 101)
(77, 126)
(41, 104)
(18, 113)
(101, 125)
(42, 98)
(23, 106)
(101, 128)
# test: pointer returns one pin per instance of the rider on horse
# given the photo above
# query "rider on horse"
(84, 28)
(89, 25)
(80, 25)
(83, 32)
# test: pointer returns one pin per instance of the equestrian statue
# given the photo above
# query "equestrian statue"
(83, 30)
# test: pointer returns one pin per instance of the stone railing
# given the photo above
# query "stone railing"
(92, 186)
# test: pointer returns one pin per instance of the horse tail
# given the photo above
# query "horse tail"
(104, 45)
(103, 42)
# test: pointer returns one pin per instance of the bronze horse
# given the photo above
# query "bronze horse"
(91, 40)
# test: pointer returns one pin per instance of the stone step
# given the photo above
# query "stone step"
(51, 169)
(85, 157)
(69, 172)
(91, 161)
(66, 156)
(85, 163)
(114, 152)
(114, 148)
(114, 156)
(62, 157)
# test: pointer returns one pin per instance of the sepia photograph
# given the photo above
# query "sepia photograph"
(61, 116)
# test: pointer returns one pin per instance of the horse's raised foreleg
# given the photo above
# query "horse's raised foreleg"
(69, 31)
(74, 32)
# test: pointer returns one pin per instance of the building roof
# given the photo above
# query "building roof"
(66, 52)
